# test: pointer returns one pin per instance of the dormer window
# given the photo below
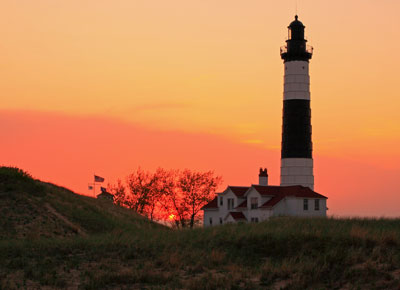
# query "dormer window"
(254, 202)
(231, 204)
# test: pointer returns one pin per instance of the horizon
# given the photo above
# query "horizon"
(107, 87)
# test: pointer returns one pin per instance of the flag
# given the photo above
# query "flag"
(103, 189)
(98, 179)
(90, 187)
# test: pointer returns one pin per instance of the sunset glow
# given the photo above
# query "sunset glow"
(108, 86)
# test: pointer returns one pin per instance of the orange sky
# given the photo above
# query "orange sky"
(107, 86)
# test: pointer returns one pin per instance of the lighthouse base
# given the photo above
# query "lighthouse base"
(297, 171)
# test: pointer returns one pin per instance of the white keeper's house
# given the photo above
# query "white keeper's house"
(295, 196)
(259, 202)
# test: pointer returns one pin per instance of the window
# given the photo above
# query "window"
(317, 204)
(221, 200)
(210, 221)
(230, 203)
(220, 221)
(305, 205)
(254, 220)
(254, 203)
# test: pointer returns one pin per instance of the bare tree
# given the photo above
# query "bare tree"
(166, 193)
(185, 192)
(140, 185)
(170, 201)
(197, 189)
(120, 196)
(160, 185)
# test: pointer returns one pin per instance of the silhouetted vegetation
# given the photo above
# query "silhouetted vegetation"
(165, 194)
(14, 179)
(114, 248)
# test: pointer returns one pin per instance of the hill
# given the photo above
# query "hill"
(33, 209)
(106, 247)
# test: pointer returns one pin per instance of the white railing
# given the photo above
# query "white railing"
(309, 49)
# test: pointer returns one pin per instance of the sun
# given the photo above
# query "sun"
(171, 217)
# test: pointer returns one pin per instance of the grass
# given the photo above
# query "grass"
(287, 253)
(121, 250)
(34, 210)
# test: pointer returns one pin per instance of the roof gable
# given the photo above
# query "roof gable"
(211, 205)
(273, 201)
(237, 216)
(243, 205)
(239, 191)
(252, 190)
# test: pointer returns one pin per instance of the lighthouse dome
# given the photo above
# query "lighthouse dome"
(296, 22)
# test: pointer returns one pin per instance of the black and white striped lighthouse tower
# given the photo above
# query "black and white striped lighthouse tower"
(296, 155)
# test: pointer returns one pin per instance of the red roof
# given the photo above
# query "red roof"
(237, 216)
(268, 190)
(239, 191)
(273, 201)
(242, 205)
(277, 193)
(280, 192)
(212, 204)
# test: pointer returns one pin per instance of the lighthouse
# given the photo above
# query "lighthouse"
(296, 154)
(296, 195)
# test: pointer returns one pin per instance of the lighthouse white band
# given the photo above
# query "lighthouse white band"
(296, 81)
(297, 171)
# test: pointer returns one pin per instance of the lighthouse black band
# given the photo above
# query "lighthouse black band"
(296, 129)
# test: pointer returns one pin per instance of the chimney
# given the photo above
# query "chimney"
(263, 177)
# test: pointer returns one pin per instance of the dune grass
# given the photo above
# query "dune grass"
(52, 238)
(281, 253)
(32, 209)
